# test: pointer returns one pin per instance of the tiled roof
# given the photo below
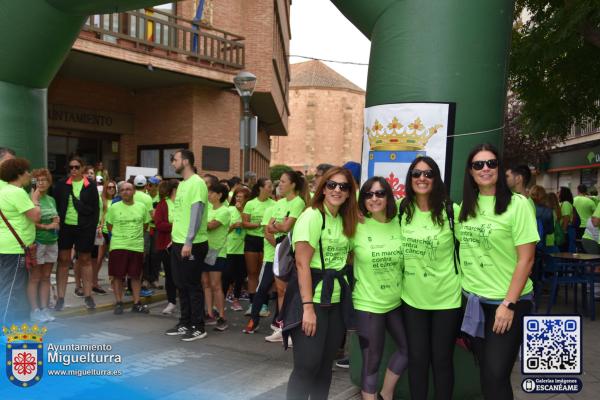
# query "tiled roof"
(317, 74)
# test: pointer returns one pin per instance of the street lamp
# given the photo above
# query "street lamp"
(244, 84)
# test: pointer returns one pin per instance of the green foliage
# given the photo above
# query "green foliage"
(277, 170)
(555, 64)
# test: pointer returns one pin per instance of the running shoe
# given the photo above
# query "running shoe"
(99, 290)
(60, 304)
(244, 296)
(236, 306)
(343, 363)
(169, 309)
(264, 311)
(48, 315)
(118, 308)
(140, 308)
(89, 303)
(221, 325)
(248, 311)
(37, 316)
(275, 327)
(275, 337)
(146, 292)
(79, 292)
(250, 328)
(229, 298)
(177, 330)
(194, 334)
(210, 321)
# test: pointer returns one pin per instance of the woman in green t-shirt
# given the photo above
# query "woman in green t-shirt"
(567, 222)
(321, 236)
(378, 289)
(498, 233)
(431, 286)
(252, 216)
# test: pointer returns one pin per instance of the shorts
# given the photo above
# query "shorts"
(46, 253)
(123, 263)
(253, 244)
(82, 239)
(220, 265)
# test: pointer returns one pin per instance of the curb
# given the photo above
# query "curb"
(80, 311)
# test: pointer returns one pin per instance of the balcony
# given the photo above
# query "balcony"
(168, 36)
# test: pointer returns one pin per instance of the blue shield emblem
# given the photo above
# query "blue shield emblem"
(24, 362)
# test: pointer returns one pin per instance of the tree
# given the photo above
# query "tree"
(555, 64)
(277, 170)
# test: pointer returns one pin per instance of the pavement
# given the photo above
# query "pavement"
(225, 365)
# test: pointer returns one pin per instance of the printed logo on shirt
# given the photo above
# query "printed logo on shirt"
(476, 236)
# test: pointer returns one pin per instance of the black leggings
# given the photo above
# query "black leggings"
(170, 287)
(497, 353)
(267, 278)
(431, 338)
(234, 273)
(371, 330)
(314, 355)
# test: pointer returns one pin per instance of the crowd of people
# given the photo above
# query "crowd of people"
(422, 268)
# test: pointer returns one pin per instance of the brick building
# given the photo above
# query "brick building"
(326, 120)
(139, 84)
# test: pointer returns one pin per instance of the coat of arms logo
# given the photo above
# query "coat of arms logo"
(24, 354)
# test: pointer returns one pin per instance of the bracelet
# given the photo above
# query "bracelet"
(308, 302)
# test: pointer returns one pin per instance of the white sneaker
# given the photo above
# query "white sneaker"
(169, 309)
(275, 337)
(290, 344)
(248, 311)
(37, 316)
(264, 311)
(48, 315)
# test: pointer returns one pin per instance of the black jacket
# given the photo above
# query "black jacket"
(87, 206)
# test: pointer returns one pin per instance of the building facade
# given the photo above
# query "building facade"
(326, 121)
(140, 84)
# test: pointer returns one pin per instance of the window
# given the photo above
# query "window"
(215, 158)
(159, 156)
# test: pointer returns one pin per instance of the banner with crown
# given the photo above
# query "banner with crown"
(24, 354)
(395, 134)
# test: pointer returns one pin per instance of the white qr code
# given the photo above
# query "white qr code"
(551, 344)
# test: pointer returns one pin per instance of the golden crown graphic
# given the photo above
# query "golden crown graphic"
(24, 332)
(413, 137)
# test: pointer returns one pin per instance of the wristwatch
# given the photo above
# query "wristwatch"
(509, 305)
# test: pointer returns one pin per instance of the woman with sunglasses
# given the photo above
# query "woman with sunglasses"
(321, 241)
(377, 295)
(497, 248)
(252, 216)
(431, 284)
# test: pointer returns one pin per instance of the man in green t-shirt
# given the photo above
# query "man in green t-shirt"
(141, 196)
(127, 221)
(189, 248)
(585, 208)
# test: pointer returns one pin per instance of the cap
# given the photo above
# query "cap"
(99, 179)
(154, 180)
(139, 180)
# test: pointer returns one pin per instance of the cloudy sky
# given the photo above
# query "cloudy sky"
(319, 30)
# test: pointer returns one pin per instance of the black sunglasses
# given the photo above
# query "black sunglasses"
(380, 194)
(416, 173)
(478, 165)
(74, 166)
(331, 185)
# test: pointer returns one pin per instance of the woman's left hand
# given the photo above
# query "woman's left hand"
(504, 319)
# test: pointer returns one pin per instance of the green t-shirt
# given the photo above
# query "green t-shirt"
(550, 237)
(256, 210)
(287, 209)
(104, 226)
(566, 210)
(48, 209)
(335, 244)
(488, 253)
(596, 214)
(585, 208)
(268, 249)
(217, 238)
(189, 191)
(2, 184)
(430, 280)
(170, 209)
(144, 198)
(377, 266)
(127, 226)
(71, 218)
(14, 203)
(235, 239)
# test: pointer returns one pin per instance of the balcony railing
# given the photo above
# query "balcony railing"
(168, 35)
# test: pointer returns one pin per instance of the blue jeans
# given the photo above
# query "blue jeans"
(14, 307)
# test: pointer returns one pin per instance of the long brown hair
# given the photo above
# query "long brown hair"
(348, 210)
(105, 198)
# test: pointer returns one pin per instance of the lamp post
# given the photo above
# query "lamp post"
(244, 84)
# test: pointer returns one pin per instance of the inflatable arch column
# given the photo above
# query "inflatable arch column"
(35, 38)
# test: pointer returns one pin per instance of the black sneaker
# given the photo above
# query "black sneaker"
(60, 304)
(99, 290)
(343, 363)
(140, 308)
(177, 330)
(118, 308)
(221, 325)
(194, 334)
(89, 303)
(79, 292)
